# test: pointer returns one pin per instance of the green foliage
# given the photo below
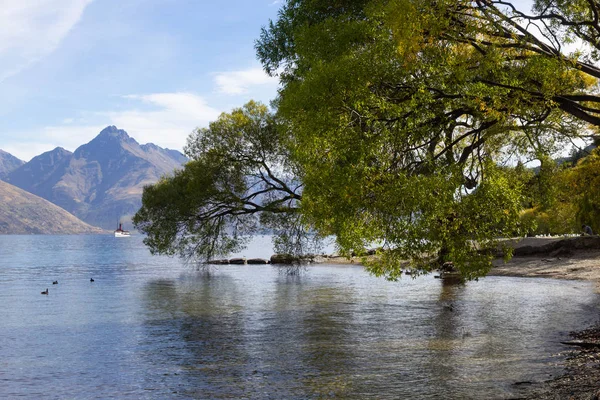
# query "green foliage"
(564, 197)
(238, 181)
(401, 112)
(559, 220)
(170, 209)
(544, 187)
(394, 119)
(582, 187)
(464, 226)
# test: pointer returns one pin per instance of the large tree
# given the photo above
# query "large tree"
(402, 110)
(238, 181)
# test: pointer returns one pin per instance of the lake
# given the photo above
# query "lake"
(153, 327)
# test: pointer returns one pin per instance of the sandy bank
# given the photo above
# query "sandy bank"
(581, 265)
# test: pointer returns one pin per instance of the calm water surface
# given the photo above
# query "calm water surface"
(150, 327)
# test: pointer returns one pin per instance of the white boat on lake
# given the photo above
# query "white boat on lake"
(121, 233)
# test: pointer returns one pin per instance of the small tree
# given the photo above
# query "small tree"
(238, 181)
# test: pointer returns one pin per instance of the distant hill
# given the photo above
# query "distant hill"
(24, 213)
(102, 181)
(8, 163)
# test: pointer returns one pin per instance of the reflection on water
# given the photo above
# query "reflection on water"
(149, 327)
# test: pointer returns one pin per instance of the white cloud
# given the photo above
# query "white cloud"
(32, 29)
(238, 82)
(69, 136)
(168, 122)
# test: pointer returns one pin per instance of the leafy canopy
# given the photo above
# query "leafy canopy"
(393, 123)
(583, 189)
(238, 181)
(402, 111)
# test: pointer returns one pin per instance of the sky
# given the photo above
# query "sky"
(155, 68)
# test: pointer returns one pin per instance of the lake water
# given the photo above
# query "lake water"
(151, 327)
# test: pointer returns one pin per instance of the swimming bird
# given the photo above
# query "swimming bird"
(55, 282)
(45, 291)
(91, 279)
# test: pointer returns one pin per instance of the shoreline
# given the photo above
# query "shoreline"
(581, 378)
(566, 258)
(582, 265)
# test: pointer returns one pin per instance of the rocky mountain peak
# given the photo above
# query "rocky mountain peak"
(111, 141)
(150, 146)
(113, 132)
(100, 182)
(51, 157)
(111, 135)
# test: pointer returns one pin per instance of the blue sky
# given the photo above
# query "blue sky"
(156, 68)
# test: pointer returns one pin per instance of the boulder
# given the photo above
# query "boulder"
(257, 261)
(284, 259)
(448, 266)
(291, 259)
(238, 261)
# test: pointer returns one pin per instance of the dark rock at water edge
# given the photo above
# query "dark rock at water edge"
(291, 259)
(239, 261)
(257, 261)
(582, 370)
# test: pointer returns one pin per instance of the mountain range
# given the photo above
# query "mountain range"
(101, 182)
